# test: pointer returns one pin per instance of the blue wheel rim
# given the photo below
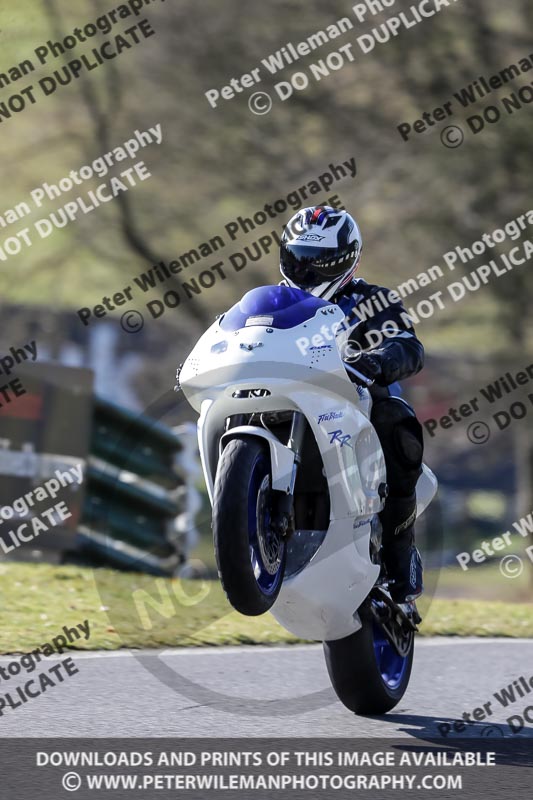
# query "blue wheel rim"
(392, 667)
(267, 582)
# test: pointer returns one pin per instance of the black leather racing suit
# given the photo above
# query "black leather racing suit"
(378, 324)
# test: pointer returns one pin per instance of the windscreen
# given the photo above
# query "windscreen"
(272, 307)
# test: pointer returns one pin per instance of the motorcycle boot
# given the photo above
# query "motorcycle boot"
(400, 555)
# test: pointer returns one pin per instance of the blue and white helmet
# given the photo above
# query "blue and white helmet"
(320, 250)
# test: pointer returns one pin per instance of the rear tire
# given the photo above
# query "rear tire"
(250, 556)
(368, 676)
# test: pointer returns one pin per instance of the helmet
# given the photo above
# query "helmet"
(320, 250)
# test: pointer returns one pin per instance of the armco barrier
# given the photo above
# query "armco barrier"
(136, 504)
(137, 492)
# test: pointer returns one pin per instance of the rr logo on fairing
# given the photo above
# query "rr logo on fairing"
(340, 436)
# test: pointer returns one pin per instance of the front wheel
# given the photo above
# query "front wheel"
(250, 555)
(367, 673)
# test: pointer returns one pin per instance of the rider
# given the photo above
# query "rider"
(320, 252)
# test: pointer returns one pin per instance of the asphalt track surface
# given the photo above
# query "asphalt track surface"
(270, 692)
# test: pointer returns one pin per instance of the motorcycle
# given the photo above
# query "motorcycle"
(296, 478)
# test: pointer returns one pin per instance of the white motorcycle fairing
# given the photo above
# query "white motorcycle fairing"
(248, 363)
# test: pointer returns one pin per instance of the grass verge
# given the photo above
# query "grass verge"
(139, 611)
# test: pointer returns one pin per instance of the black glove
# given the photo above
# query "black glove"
(368, 365)
(389, 365)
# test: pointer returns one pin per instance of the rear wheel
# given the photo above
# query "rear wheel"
(366, 671)
(250, 554)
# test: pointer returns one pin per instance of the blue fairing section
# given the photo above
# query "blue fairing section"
(273, 307)
(395, 389)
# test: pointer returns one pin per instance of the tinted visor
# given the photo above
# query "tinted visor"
(308, 267)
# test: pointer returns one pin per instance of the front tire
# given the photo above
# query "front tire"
(250, 555)
(368, 675)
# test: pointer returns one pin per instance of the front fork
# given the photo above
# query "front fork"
(282, 517)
